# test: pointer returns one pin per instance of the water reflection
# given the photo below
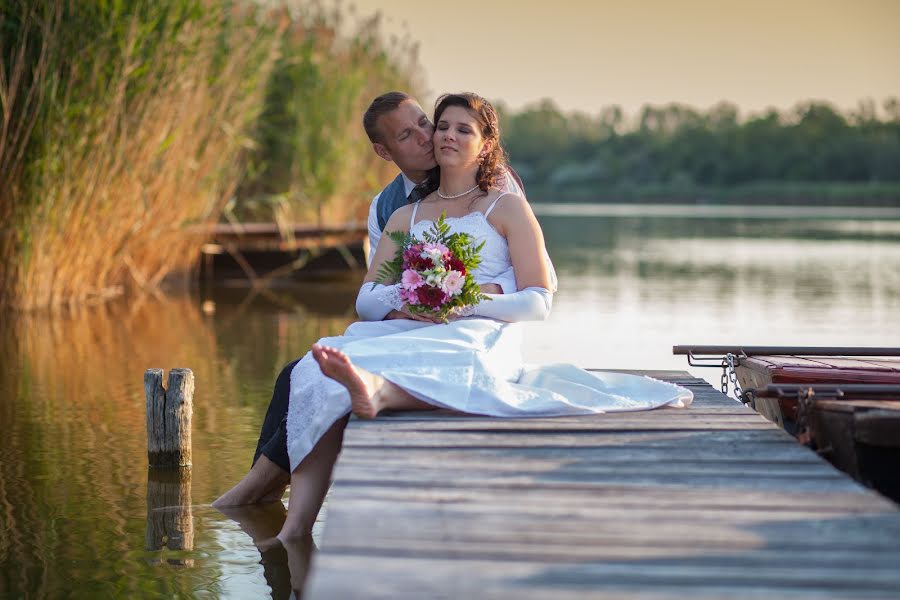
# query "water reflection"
(76, 502)
(632, 287)
(170, 522)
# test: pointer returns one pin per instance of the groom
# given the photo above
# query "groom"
(401, 133)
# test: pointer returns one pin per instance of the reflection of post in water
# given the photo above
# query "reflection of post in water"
(169, 518)
(170, 523)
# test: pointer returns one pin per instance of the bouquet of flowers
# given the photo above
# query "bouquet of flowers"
(435, 273)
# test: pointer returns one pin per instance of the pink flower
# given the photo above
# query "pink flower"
(409, 296)
(453, 283)
(411, 280)
(434, 248)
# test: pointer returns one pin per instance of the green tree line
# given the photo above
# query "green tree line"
(810, 153)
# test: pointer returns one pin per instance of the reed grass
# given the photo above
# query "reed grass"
(126, 127)
(137, 118)
(314, 163)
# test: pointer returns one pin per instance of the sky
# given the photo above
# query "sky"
(586, 55)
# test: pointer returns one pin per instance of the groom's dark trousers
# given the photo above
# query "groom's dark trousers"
(273, 436)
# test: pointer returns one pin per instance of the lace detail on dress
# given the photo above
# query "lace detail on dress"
(389, 295)
(316, 402)
(466, 311)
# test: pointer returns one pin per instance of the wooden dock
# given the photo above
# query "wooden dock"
(264, 251)
(707, 502)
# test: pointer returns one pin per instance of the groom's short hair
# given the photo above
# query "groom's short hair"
(381, 105)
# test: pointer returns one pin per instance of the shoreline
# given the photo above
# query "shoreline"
(713, 211)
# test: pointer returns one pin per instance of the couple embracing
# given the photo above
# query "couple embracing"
(398, 359)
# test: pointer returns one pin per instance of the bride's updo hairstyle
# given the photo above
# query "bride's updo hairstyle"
(492, 170)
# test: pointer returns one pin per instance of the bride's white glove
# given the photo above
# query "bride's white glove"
(376, 300)
(529, 304)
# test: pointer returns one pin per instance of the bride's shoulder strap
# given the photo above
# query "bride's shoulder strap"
(494, 203)
(412, 218)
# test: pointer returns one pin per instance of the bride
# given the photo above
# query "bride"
(473, 363)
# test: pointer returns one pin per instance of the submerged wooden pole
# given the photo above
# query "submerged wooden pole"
(169, 413)
(170, 522)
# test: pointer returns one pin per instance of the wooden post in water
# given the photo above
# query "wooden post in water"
(169, 417)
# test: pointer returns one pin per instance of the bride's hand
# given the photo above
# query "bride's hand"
(404, 313)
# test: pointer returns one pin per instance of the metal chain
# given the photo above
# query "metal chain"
(724, 387)
(729, 374)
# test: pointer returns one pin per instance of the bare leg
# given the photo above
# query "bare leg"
(369, 394)
(309, 483)
(265, 482)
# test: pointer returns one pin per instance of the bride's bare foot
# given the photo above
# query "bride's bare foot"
(336, 365)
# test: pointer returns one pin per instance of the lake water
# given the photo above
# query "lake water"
(74, 516)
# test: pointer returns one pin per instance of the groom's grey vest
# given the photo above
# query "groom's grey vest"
(391, 198)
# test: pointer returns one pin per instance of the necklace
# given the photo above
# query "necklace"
(468, 191)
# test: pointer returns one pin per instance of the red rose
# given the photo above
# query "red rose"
(430, 295)
(454, 264)
(412, 259)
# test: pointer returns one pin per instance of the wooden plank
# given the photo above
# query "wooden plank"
(584, 459)
(560, 480)
(563, 548)
(395, 524)
(722, 443)
(435, 447)
(414, 577)
(857, 500)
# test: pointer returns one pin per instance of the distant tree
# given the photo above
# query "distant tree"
(677, 147)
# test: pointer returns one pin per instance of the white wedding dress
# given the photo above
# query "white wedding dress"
(473, 365)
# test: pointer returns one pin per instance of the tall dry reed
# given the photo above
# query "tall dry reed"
(139, 129)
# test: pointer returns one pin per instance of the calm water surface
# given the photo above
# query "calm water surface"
(74, 516)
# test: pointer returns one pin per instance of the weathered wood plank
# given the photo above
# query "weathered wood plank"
(734, 478)
(732, 442)
(398, 526)
(413, 577)
(636, 456)
(569, 549)
(685, 500)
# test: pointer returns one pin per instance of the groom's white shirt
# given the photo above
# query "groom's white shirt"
(508, 281)
(374, 230)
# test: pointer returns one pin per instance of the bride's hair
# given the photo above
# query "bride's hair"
(492, 170)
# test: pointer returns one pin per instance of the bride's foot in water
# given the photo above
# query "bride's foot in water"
(336, 365)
